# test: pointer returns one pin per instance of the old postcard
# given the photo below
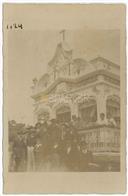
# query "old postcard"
(64, 98)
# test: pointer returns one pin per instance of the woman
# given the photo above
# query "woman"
(31, 143)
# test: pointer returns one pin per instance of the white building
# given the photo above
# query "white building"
(84, 89)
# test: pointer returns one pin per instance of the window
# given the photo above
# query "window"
(88, 111)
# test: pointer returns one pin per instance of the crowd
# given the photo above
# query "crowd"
(49, 146)
(52, 145)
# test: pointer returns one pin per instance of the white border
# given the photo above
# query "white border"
(1, 64)
(65, 1)
(1, 94)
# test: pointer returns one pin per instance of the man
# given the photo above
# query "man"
(19, 152)
(52, 158)
(68, 132)
(55, 133)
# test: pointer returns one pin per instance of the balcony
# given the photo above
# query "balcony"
(101, 138)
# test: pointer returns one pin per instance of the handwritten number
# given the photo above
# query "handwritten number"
(15, 26)
(20, 26)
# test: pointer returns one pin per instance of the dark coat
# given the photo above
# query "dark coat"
(31, 141)
(19, 148)
(55, 133)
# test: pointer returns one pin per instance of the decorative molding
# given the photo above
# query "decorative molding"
(82, 80)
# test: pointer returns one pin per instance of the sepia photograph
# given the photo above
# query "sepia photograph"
(76, 102)
(63, 94)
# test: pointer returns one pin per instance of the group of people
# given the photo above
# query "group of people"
(49, 146)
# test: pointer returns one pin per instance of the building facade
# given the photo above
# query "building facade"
(89, 90)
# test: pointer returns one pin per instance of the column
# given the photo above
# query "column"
(101, 105)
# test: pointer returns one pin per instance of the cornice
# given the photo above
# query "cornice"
(79, 79)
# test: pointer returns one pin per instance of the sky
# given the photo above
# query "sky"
(29, 53)
(91, 31)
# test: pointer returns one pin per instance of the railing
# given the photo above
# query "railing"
(101, 138)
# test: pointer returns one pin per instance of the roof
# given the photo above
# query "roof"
(61, 50)
(101, 59)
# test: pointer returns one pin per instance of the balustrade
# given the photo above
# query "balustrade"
(101, 138)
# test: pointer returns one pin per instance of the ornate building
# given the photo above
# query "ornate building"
(88, 90)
